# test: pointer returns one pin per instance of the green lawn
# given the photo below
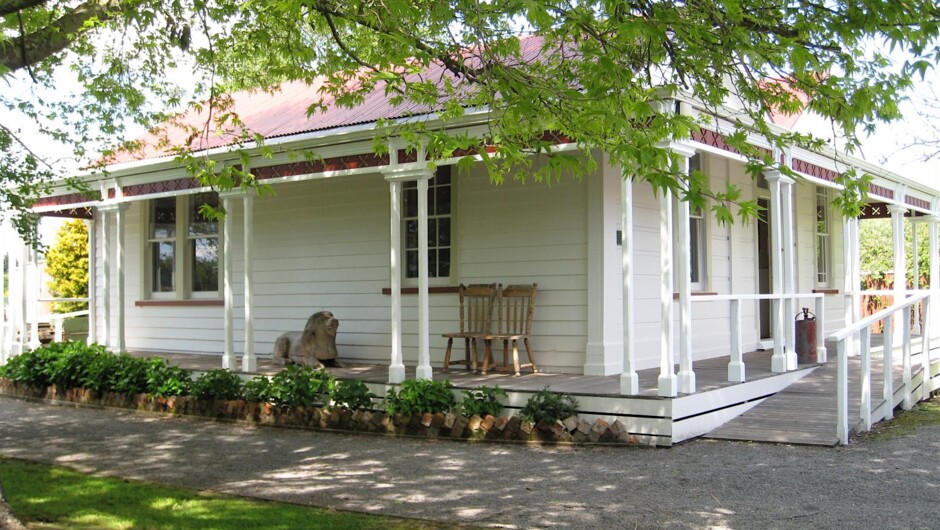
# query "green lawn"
(905, 423)
(52, 497)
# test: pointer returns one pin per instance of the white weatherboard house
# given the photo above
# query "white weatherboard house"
(627, 281)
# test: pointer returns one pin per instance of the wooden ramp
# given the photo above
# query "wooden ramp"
(805, 412)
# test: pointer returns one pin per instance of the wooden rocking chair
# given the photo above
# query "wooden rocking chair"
(515, 308)
(476, 318)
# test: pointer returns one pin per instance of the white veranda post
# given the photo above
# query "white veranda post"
(228, 353)
(629, 381)
(686, 374)
(900, 262)
(789, 269)
(778, 361)
(249, 360)
(92, 280)
(667, 382)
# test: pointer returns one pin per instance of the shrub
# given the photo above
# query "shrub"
(351, 394)
(482, 401)
(73, 363)
(164, 380)
(257, 390)
(30, 368)
(549, 406)
(419, 396)
(128, 374)
(299, 386)
(218, 384)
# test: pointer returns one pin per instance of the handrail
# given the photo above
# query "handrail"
(57, 319)
(762, 296)
(861, 332)
(880, 315)
(781, 360)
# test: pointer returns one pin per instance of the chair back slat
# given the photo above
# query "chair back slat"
(517, 304)
(476, 307)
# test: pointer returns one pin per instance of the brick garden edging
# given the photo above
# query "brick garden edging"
(439, 425)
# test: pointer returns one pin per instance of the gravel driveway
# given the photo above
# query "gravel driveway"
(698, 484)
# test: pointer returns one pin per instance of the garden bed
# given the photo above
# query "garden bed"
(449, 425)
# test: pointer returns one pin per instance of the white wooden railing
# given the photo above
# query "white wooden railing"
(57, 319)
(782, 335)
(860, 333)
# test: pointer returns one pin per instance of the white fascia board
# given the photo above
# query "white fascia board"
(827, 157)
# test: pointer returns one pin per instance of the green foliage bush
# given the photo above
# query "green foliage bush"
(549, 406)
(128, 374)
(73, 364)
(218, 384)
(164, 379)
(29, 368)
(421, 395)
(299, 386)
(257, 390)
(482, 401)
(351, 394)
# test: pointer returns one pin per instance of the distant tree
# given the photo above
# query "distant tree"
(875, 249)
(67, 264)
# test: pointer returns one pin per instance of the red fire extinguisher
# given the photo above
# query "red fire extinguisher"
(806, 337)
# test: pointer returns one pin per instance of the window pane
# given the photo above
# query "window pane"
(443, 262)
(163, 218)
(432, 263)
(162, 280)
(411, 234)
(199, 223)
(432, 232)
(205, 264)
(443, 232)
(411, 264)
(411, 202)
(442, 200)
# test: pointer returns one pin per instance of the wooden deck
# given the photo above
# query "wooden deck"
(711, 374)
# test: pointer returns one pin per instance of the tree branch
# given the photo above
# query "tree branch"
(8, 7)
(25, 50)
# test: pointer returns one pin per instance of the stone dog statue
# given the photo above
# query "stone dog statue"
(314, 346)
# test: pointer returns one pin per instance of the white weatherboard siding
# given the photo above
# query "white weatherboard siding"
(323, 245)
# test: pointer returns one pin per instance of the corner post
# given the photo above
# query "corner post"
(629, 380)
(900, 259)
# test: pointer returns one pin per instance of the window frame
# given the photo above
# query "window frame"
(820, 247)
(696, 216)
(433, 281)
(183, 253)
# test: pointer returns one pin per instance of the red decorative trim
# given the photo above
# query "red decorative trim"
(717, 140)
(166, 186)
(179, 303)
(71, 213)
(64, 200)
(407, 156)
(808, 168)
(319, 166)
(387, 291)
(917, 202)
(880, 191)
(826, 291)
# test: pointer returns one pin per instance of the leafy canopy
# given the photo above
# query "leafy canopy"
(599, 72)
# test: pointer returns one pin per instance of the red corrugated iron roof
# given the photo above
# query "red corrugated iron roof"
(283, 111)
